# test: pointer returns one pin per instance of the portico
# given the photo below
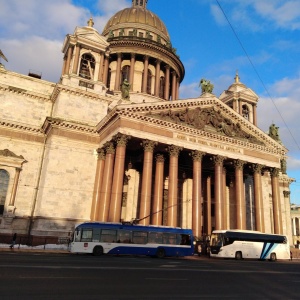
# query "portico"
(187, 166)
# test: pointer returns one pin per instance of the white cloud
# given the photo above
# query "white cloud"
(245, 13)
(32, 36)
(111, 7)
(36, 53)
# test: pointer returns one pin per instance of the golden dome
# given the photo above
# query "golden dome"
(137, 17)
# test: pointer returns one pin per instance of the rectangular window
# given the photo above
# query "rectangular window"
(87, 234)
(155, 237)
(139, 237)
(108, 236)
(125, 236)
(96, 234)
(169, 238)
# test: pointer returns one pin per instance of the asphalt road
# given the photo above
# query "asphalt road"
(69, 276)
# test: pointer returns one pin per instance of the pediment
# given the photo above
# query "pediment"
(209, 119)
(88, 35)
(205, 116)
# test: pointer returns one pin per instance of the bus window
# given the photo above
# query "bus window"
(124, 236)
(169, 238)
(87, 234)
(155, 237)
(183, 239)
(139, 237)
(77, 234)
(108, 236)
(96, 234)
(152, 237)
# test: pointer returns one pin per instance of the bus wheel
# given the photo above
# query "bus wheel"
(238, 255)
(160, 253)
(273, 257)
(97, 251)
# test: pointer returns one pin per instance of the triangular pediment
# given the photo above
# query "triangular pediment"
(208, 119)
(90, 34)
(206, 114)
(87, 36)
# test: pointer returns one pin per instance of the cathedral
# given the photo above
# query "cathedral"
(112, 141)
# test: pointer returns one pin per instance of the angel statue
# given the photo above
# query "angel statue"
(125, 88)
(206, 86)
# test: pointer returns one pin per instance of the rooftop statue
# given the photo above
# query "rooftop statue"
(273, 132)
(206, 86)
(125, 89)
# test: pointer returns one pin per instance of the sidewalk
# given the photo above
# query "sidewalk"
(59, 249)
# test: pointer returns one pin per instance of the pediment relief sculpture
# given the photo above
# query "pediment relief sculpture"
(207, 119)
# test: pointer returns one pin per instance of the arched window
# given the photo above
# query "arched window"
(4, 180)
(245, 111)
(125, 73)
(87, 66)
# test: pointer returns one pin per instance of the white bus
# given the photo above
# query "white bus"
(241, 244)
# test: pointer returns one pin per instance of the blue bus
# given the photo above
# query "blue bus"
(119, 238)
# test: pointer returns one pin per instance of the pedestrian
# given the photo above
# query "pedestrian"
(13, 241)
(291, 255)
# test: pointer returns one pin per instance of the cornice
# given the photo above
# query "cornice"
(77, 92)
(60, 123)
(151, 45)
(22, 127)
(23, 92)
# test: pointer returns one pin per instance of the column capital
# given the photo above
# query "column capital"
(148, 145)
(109, 148)
(286, 194)
(160, 158)
(197, 155)
(132, 55)
(274, 172)
(121, 139)
(238, 164)
(218, 159)
(257, 168)
(101, 154)
(174, 150)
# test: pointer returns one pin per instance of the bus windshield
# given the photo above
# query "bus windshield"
(217, 239)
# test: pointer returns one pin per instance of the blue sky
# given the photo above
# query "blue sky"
(261, 41)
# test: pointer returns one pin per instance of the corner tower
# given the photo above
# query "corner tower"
(86, 55)
(241, 99)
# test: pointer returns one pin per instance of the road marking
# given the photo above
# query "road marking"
(169, 279)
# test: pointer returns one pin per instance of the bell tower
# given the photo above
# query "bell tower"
(241, 99)
(85, 59)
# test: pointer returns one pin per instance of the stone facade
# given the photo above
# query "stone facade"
(78, 150)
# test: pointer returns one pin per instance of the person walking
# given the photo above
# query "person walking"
(13, 241)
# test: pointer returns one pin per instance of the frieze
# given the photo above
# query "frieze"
(207, 119)
(207, 143)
